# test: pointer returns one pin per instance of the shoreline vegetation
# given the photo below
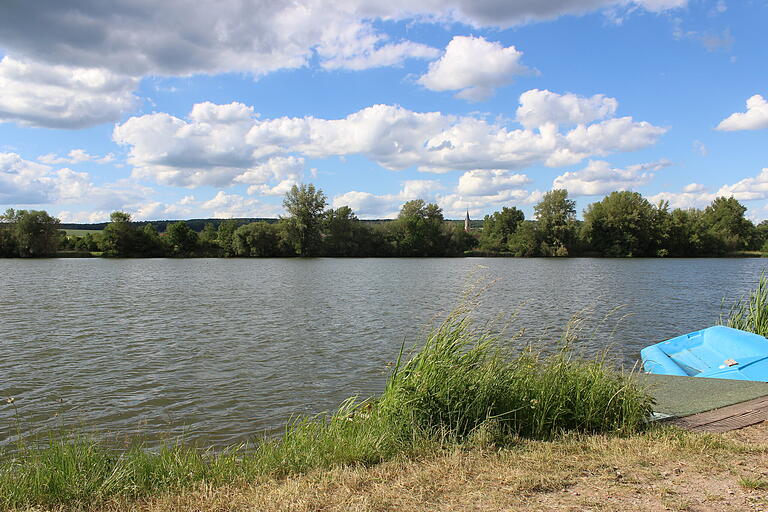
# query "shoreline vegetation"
(623, 224)
(468, 418)
(461, 389)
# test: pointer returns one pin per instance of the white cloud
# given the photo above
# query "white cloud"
(695, 195)
(224, 144)
(176, 37)
(598, 178)
(286, 171)
(473, 66)
(700, 148)
(538, 108)
(694, 187)
(224, 205)
(480, 189)
(484, 182)
(748, 189)
(755, 118)
(357, 46)
(661, 5)
(75, 156)
(23, 182)
(59, 96)
(387, 206)
(207, 150)
(82, 63)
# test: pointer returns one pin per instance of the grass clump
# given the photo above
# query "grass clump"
(461, 387)
(464, 380)
(750, 313)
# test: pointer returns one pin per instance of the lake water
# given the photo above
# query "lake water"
(222, 350)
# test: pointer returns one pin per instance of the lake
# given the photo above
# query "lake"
(224, 350)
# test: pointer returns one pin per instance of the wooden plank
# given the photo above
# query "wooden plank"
(727, 418)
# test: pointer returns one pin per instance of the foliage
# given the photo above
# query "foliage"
(525, 241)
(304, 205)
(29, 233)
(622, 224)
(417, 231)
(726, 221)
(225, 237)
(556, 216)
(259, 239)
(750, 313)
(498, 227)
(461, 385)
(181, 240)
(121, 238)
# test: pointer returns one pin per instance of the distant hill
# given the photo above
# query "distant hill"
(160, 225)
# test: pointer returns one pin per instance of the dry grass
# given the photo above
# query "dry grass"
(663, 470)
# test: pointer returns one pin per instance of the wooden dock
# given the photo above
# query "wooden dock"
(727, 418)
(708, 405)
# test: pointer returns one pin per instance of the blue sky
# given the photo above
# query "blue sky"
(172, 110)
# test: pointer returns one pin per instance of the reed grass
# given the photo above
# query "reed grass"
(750, 313)
(462, 387)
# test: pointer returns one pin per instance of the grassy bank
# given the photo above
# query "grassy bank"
(660, 469)
(462, 388)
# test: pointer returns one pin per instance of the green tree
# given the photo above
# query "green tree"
(305, 206)
(342, 232)
(525, 241)
(498, 227)
(258, 239)
(725, 220)
(34, 233)
(556, 222)
(622, 224)
(181, 239)
(225, 237)
(120, 237)
(418, 230)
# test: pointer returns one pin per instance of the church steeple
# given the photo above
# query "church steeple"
(466, 223)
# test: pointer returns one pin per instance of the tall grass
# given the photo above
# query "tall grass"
(750, 313)
(462, 385)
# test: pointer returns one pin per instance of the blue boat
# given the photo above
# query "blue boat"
(718, 352)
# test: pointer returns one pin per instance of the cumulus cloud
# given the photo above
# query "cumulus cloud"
(473, 66)
(62, 96)
(480, 189)
(176, 37)
(484, 182)
(76, 64)
(696, 195)
(357, 46)
(224, 205)
(223, 144)
(598, 178)
(75, 156)
(387, 206)
(286, 171)
(208, 149)
(23, 182)
(538, 108)
(694, 187)
(755, 118)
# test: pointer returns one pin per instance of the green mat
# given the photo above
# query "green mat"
(683, 396)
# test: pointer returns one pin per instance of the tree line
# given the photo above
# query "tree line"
(623, 224)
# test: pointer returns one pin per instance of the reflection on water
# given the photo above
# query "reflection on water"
(223, 350)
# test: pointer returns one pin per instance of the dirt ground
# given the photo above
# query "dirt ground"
(668, 470)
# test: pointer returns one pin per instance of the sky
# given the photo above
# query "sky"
(179, 110)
